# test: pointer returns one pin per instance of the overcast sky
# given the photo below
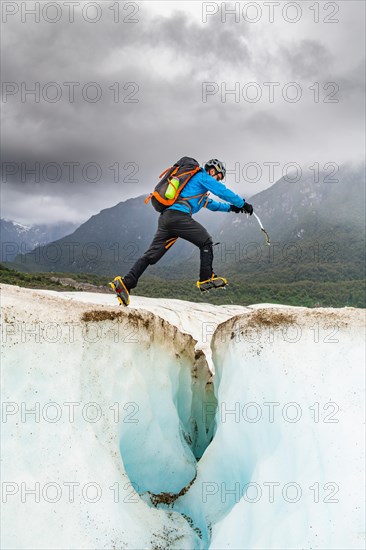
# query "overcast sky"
(161, 70)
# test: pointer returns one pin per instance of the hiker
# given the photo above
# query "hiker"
(176, 221)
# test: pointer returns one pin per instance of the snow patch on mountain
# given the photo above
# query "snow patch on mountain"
(17, 238)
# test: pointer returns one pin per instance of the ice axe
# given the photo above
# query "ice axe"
(262, 229)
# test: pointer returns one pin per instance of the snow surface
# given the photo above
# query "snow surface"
(124, 403)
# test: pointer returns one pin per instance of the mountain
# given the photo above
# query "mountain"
(316, 228)
(109, 242)
(16, 238)
(317, 231)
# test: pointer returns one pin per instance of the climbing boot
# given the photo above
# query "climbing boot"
(120, 289)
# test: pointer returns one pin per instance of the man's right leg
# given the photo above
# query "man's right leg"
(189, 229)
(181, 224)
(184, 226)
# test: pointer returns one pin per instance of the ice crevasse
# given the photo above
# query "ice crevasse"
(117, 434)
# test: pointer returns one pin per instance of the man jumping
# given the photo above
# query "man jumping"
(177, 221)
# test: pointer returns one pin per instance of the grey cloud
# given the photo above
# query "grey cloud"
(306, 59)
(352, 81)
(268, 126)
(170, 118)
(214, 41)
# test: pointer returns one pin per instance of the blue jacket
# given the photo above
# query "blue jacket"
(200, 184)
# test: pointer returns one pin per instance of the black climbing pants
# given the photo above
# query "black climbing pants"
(173, 224)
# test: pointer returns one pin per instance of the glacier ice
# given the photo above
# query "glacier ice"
(116, 434)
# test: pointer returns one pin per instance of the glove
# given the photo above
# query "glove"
(236, 209)
(247, 208)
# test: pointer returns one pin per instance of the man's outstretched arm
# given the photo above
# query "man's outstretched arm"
(217, 206)
(221, 191)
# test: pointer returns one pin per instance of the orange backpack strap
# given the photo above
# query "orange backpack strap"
(167, 170)
(193, 197)
(192, 172)
(205, 196)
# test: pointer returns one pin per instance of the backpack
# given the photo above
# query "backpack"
(172, 182)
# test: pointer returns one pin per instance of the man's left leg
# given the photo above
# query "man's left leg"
(160, 244)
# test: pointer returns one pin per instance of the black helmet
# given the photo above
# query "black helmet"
(218, 165)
